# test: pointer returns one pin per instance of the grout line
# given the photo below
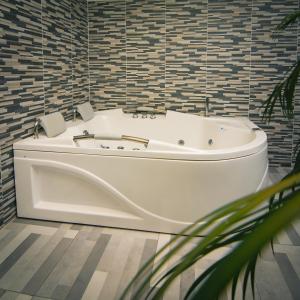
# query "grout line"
(43, 58)
(250, 57)
(88, 50)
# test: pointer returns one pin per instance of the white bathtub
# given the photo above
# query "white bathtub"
(161, 187)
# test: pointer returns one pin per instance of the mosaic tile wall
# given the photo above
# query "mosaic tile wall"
(43, 65)
(175, 53)
(270, 59)
(107, 54)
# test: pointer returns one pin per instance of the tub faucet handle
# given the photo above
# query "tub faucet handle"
(36, 128)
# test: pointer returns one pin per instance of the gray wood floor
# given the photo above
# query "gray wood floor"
(49, 260)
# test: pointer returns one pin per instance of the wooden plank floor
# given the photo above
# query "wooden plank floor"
(50, 260)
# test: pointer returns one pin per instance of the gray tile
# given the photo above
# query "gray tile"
(290, 249)
(88, 268)
(46, 268)
(267, 253)
(95, 233)
(11, 280)
(3, 233)
(275, 177)
(109, 254)
(132, 264)
(10, 236)
(38, 259)
(149, 250)
(95, 285)
(61, 292)
(8, 295)
(270, 282)
(76, 227)
(37, 222)
(17, 253)
(75, 263)
(186, 280)
(290, 276)
(77, 276)
(24, 297)
(67, 269)
(295, 261)
(293, 235)
(118, 263)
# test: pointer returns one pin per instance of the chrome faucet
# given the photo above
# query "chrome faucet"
(36, 128)
(206, 107)
(145, 112)
(74, 114)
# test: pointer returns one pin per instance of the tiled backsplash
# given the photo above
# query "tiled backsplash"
(175, 53)
(43, 64)
(127, 53)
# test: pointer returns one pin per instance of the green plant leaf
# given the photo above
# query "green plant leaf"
(241, 254)
(233, 228)
(234, 284)
(283, 95)
(288, 20)
(250, 271)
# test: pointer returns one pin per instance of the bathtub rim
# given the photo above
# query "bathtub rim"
(64, 143)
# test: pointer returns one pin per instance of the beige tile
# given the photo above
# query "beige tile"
(132, 264)
(71, 234)
(23, 297)
(283, 238)
(95, 286)
(109, 290)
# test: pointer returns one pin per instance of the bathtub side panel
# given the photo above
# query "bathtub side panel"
(141, 193)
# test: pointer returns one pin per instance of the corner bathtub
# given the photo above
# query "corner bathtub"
(161, 187)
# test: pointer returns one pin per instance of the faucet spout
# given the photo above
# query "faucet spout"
(36, 128)
(74, 114)
(206, 107)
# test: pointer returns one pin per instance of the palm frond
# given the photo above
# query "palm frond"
(233, 285)
(288, 20)
(233, 262)
(250, 271)
(236, 224)
(283, 95)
